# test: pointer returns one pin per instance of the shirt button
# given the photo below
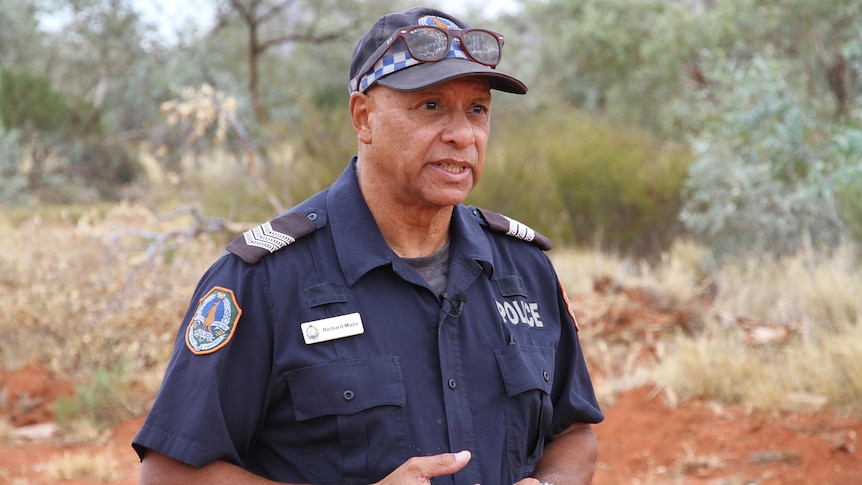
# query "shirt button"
(452, 384)
(546, 376)
(348, 395)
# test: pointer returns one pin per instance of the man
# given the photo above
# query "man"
(381, 331)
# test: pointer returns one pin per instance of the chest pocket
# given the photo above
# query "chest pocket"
(528, 375)
(359, 404)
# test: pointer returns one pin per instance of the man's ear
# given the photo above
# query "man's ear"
(361, 106)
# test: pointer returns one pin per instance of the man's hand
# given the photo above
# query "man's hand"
(420, 469)
(528, 481)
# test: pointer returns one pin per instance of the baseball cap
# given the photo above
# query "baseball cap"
(393, 72)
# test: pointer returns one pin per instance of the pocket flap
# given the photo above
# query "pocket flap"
(526, 368)
(346, 387)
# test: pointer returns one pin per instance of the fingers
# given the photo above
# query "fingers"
(445, 463)
(420, 469)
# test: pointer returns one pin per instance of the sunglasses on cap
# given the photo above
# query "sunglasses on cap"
(427, 43)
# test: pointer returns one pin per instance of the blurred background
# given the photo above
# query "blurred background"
(697, 163)
(734, 122)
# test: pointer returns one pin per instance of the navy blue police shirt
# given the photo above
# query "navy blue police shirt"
(311, 353)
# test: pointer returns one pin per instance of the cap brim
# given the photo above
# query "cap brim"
(424, 75)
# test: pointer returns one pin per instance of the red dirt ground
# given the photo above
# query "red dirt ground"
(641, 442)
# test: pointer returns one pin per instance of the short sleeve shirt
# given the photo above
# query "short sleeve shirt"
(341, 362)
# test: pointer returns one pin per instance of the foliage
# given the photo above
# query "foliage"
(665, 66)
(586, 181)
(21, 41)
(622, 57)
(14, 184)
(102, 400)
(763, 177)
(642, 60)
(817, 42)
(325, 142)
(846, 150)
(66, 152)
(29, 103)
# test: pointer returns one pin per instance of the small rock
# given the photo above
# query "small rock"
(34, 432)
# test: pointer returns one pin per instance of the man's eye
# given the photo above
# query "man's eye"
(431, 105)
(479, 109)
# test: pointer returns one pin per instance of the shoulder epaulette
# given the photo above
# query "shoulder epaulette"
(511, 227)
(271, 236)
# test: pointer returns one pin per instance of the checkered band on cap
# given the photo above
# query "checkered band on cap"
(395, 62)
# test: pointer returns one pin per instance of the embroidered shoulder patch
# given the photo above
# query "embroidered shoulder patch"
(569, 305)
(214, 321)
(511, 227)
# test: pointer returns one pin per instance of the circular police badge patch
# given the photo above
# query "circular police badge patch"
(214, 321)
(436, 21)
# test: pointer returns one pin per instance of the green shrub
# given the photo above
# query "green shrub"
(29, 102)
(103, 400)
(585, 181)
(764, 173)
(846, 151)
(70, 159)
(12, 181)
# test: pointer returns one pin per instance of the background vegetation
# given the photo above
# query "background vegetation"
(129, 154)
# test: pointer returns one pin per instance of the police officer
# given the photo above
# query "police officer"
(381, 331)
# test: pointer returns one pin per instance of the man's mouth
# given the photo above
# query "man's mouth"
(456, 169)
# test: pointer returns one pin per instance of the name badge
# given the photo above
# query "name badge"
(332, 328)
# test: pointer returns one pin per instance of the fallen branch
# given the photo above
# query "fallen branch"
(161, 241)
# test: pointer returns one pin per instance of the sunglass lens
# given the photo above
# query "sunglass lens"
(427, 44)
(482, 46)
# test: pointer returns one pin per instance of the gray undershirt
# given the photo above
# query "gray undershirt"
(434, 268)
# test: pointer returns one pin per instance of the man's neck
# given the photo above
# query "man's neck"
(413, 233)
(410, 230)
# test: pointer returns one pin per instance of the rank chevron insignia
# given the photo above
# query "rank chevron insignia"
(271, 236)
(511, 227)
(264, 236)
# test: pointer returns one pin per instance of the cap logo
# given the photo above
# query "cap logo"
(436, 21)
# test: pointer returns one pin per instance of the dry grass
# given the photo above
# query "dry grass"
(812, 292)
(82, 295)
(99, 467)
(86, 292)
(815, 297)
(812, 298)
(803, 375)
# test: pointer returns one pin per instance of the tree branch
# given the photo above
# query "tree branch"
(158, 241)
(275, 10)
(298, 38)
(247, 14)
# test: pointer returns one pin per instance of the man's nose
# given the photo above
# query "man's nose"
(459, 130)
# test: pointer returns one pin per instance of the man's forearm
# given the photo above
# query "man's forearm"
(162, 470)
(571, 458)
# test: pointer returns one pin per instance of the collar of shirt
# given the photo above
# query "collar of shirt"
(360, 246)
